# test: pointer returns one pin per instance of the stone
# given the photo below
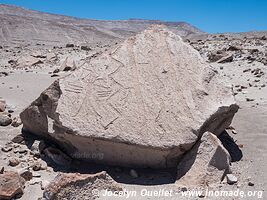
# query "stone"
(2, 169)
(51, 56)
(133, 173)
(226, 59)
(2, 105)
(69, 45)
(28, 61)
(6, 149)
(250, 183)
(35, 148)
(207, 163)
(16, 122)
(234, 131)
(78, 186)
(13, 162)
(86, 48)
(38, 54)
(56, 71)
(233, 48)
(26, 174)
(231, 179)
(36, 166)
(18, 139)
(11, 185)
(250, 99)
(5, 120)
(68, 64)
(142, 104)
(214, 57)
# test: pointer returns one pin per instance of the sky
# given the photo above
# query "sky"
(212, 16)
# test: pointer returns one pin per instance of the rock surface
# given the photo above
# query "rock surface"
(5, 120)
(11, 184)
(144, 104)
(208, 162)
(79, 186)
(2, 105)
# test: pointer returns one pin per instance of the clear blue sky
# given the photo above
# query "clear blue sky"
(209, 15)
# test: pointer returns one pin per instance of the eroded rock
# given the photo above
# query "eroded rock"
(208, 162)
(144, 103)
(11, 185)
(5, 120)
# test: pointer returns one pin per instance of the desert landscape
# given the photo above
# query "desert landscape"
(129, 109)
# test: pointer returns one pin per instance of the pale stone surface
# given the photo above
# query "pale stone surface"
(207, 163)
(27, 61)
(142, 104)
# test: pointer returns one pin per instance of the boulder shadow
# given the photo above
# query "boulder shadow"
(145, 176)
(230, 145)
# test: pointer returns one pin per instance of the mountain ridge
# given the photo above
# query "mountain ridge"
(28, 25)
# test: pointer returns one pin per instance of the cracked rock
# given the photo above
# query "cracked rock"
(120, 109)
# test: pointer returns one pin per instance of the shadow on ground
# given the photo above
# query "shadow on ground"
(122, 174)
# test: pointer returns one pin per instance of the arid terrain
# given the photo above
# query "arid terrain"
(32, 57)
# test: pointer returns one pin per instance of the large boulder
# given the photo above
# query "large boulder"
(206, 163)
(144, 103)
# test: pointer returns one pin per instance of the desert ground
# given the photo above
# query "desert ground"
(28, 68)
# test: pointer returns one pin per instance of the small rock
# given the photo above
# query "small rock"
(2, 105)
(250, 183)
(7, 148)
(35, 148)
(50, 56)
(43, 165)
(233, 48)
(2, 169)
(5, 120)
(231, 179)
(11, 185)
(69, 45)
(16, 122)
(26, 174)
(246, 70)
(13, 162)
(133, 173)
(226, 59)
(249, 99)
(234, 131)
(56, 71)
(86, 48)
(36, 166)
(18, 139)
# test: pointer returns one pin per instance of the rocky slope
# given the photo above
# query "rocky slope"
(20, 25)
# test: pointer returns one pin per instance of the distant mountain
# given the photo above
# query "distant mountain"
(19, 25)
